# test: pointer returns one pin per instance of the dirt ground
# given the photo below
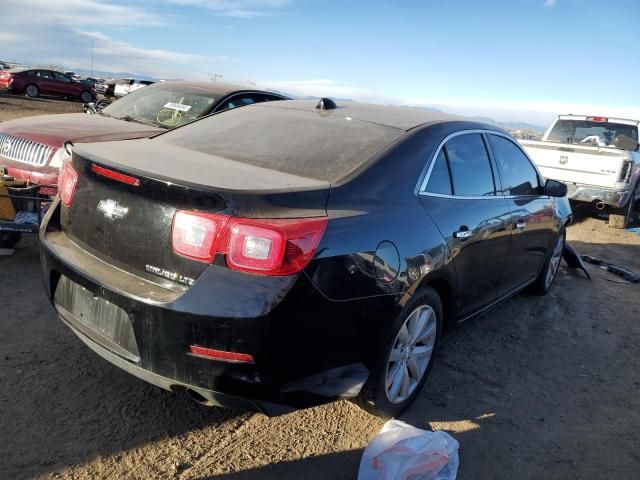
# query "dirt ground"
(541, 387)
(13, 106)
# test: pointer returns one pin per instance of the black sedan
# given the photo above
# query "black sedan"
(286, 254)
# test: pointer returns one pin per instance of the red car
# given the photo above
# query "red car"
(37, 81)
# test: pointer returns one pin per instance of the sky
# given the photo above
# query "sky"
(513, 60)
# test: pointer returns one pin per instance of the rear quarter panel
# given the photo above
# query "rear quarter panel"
(375, 212)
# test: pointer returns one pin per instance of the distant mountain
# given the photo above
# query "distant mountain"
(428, 109)
(510, 125)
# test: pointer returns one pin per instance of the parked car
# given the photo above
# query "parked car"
(98, 84)
(288, 253)
(154, 110)
(124, 87)
(599, 160)
(37, 81)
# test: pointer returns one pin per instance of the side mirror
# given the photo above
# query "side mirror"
(553, 188)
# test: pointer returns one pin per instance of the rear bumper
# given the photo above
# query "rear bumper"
(587, 193)
(208, 397)
(299, 360)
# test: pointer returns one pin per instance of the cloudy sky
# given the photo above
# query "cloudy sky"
(519, 60)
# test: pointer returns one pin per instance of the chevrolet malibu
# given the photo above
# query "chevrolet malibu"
(287, 254)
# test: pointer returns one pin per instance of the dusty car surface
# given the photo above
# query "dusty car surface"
(287, 254)
(34, 148)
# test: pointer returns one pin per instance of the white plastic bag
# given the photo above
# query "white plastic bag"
(403, 452)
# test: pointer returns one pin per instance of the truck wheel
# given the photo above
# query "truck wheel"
(405, 356)
(624, 219)
(9, 239)
(32, 91)
(86, 97)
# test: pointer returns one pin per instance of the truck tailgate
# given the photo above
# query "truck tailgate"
(598, 166)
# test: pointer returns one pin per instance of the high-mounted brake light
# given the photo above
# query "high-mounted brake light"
(120, 177)
(261, 246)
(597, 119)
(223, 355)
(67, 183)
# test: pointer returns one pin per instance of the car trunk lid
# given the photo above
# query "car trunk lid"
(128, 193)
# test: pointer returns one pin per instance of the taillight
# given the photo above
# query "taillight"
(261, 246)
(625, 171)
(254, 248)
(67, 182)
(196, 235)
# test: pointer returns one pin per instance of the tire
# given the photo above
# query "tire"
(86, 97)
(626, 217)
(545, 279)
(386, 401)
(31, 91)
(9, 239)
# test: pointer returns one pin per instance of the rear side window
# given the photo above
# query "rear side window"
(469, 164)
(440, 179)
(235, 102)
(516, 172)
(60, 77)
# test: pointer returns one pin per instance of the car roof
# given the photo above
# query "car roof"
(402, 118)
(217, 89)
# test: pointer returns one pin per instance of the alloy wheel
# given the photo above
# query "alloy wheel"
(32, 91)
(410, 354)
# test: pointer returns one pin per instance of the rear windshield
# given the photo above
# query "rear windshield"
(321, 146)
(602, 134)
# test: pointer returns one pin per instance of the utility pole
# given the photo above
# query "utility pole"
(216, 76)
(92, 57)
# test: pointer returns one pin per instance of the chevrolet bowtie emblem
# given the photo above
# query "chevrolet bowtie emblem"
(111, 209)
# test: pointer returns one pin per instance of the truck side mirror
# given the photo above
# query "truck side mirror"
(553, 188)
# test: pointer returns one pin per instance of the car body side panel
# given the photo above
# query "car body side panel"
(534, 228)
(480, 259)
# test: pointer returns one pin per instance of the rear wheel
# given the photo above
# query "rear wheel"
(405, 356)
(32, 91)
(86, 97)
(543, 283)
(9, 239)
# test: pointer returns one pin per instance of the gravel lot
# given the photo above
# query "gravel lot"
(541, 387)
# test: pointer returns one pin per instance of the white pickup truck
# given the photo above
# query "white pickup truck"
(597, 157)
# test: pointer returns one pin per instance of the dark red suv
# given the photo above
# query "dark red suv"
(37, 81)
